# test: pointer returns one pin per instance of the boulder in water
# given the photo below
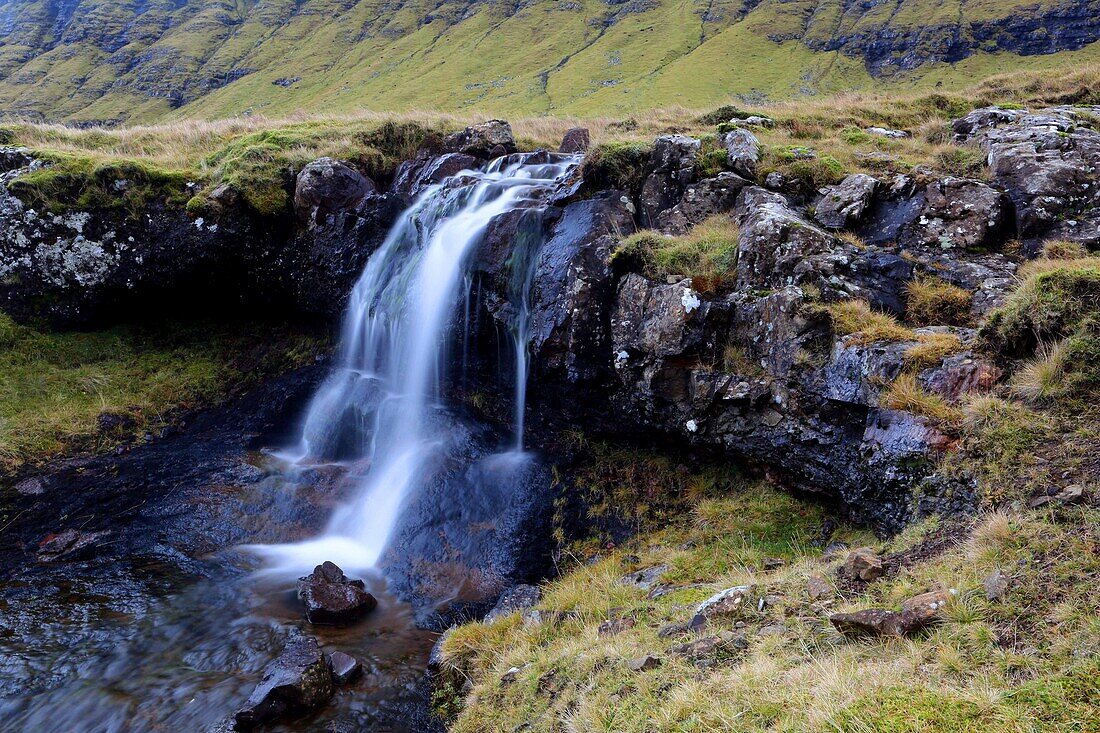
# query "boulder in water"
(345, 667)
(331, 598)
(298, 681)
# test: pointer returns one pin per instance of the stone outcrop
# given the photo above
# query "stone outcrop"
(672, 170)
(489, 139)
(1047, 162)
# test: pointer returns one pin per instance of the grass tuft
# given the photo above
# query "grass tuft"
(707, 254)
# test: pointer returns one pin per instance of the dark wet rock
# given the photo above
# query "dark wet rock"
(863, 564)
(515, 599)
(916, 614)
(672, 169)
(702, 200)
(742, 152)
(327, 186)
(427, 169)
(1046, 162)
(644, 663)
(31, 487)
(116, 424)
(70, 544)
(331, 598)
(489, 139)
(298, 681)
(957, 214)
(572, 292)
(345, 667)
(843, 205)
(575, 140)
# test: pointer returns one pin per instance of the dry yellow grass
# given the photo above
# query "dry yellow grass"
(906, 393)
(930, 301)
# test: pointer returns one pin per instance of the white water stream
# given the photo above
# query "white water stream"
(377, 408)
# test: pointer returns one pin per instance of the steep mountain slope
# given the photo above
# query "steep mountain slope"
(141, 60)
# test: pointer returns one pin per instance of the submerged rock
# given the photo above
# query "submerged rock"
(298, 681)
(331, 598)
(345, 667)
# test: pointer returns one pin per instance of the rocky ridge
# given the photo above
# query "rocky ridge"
(755, 368)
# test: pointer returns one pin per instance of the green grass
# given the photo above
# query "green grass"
(707, 254)
(54, 386)
(583, 58)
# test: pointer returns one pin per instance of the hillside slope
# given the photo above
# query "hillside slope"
(143, 60)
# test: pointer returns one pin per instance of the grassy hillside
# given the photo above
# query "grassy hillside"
(113, 61)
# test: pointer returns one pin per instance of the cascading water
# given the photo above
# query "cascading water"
(380, 408)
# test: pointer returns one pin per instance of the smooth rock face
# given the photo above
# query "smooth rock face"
(702, 200)
(331, 598)
(298, 681)
(413, 176)
(327, 186)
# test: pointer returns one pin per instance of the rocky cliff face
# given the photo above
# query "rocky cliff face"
(762, 368)
(108, 61)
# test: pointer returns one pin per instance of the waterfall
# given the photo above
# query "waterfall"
(379, 410)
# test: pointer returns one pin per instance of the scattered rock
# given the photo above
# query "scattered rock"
(613, 626)
(298, 681)
(817, 588)
(916, 613)
(886, 132)
(1069, 495)
(862, 564)
(645, 578)
(724, 603)
(709, 646)
(774, 563)
(995, 585)
(517, 598)
(644, 663)
(575, 140)
(345, 667)
(331, 598)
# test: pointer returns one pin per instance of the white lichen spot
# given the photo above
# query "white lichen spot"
(690, 300)
(198, 223)
(620, 359)
(691, 426)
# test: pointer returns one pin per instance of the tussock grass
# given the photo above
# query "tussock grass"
(906, 393)
(930, 301)
(1043, 377)
(1062, 249)
(856, 318)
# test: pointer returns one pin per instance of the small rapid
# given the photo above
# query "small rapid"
(380, 412)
